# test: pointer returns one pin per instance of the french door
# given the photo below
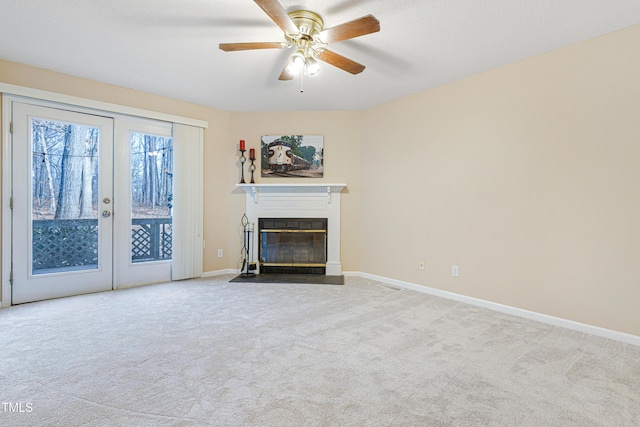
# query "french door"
(79, 198)
(143, 226)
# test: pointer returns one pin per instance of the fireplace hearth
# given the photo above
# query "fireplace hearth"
(292, 245)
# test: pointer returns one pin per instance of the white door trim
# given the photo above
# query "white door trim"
(7, 173)
(96, 106)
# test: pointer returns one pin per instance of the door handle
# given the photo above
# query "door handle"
(106, 214)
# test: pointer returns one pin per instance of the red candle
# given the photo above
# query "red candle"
(242, 145)
(252, 153)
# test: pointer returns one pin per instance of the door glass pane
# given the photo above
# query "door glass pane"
(151, 196)
(64, 211)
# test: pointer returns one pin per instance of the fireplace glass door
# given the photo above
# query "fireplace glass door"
(293, 246)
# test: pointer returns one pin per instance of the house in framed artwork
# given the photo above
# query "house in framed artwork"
(299, 156)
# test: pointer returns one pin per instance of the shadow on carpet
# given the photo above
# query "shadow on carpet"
(311, 279)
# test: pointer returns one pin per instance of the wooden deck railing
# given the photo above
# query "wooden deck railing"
(69, 243)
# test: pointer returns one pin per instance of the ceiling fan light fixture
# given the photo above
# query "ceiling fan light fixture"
(296, 62)
(313, 66)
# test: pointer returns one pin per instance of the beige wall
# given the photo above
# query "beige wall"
(526, 177)
(341, 131)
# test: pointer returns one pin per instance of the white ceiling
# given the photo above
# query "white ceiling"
(170, 47)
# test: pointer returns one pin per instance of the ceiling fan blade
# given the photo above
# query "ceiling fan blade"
(340, 61)
(356, 28)
(277, 13)
(232, 47)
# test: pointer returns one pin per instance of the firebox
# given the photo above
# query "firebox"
(292, 245)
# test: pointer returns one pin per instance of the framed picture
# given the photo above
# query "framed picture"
(295, 156)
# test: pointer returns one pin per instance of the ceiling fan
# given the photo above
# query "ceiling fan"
(303, 30)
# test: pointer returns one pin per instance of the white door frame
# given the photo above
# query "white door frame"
(12, 93)
(7, 173)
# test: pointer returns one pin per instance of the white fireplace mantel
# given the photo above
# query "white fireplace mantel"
(319, 200)
(254, 190)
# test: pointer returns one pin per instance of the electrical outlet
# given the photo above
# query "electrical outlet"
(220, 253)
(454, 270)
(421, 265)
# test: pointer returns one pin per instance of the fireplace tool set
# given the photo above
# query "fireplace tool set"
(248, 265)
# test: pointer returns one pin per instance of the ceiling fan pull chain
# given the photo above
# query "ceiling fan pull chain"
(302, 80)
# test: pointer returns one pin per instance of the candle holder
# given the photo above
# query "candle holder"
(243, 159)
(252, 167)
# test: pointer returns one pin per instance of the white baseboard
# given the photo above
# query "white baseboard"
(514, 311)
(220, 272)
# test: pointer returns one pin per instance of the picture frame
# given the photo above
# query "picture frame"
(292, 156)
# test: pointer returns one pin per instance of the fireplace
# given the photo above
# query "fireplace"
(300, 202)
(292, 245)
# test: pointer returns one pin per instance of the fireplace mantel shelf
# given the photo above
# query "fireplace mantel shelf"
(254, 189)
(291, 188)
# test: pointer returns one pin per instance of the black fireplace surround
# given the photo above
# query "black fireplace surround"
(292, 245)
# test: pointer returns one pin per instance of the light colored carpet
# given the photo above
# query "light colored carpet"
(210, 352)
